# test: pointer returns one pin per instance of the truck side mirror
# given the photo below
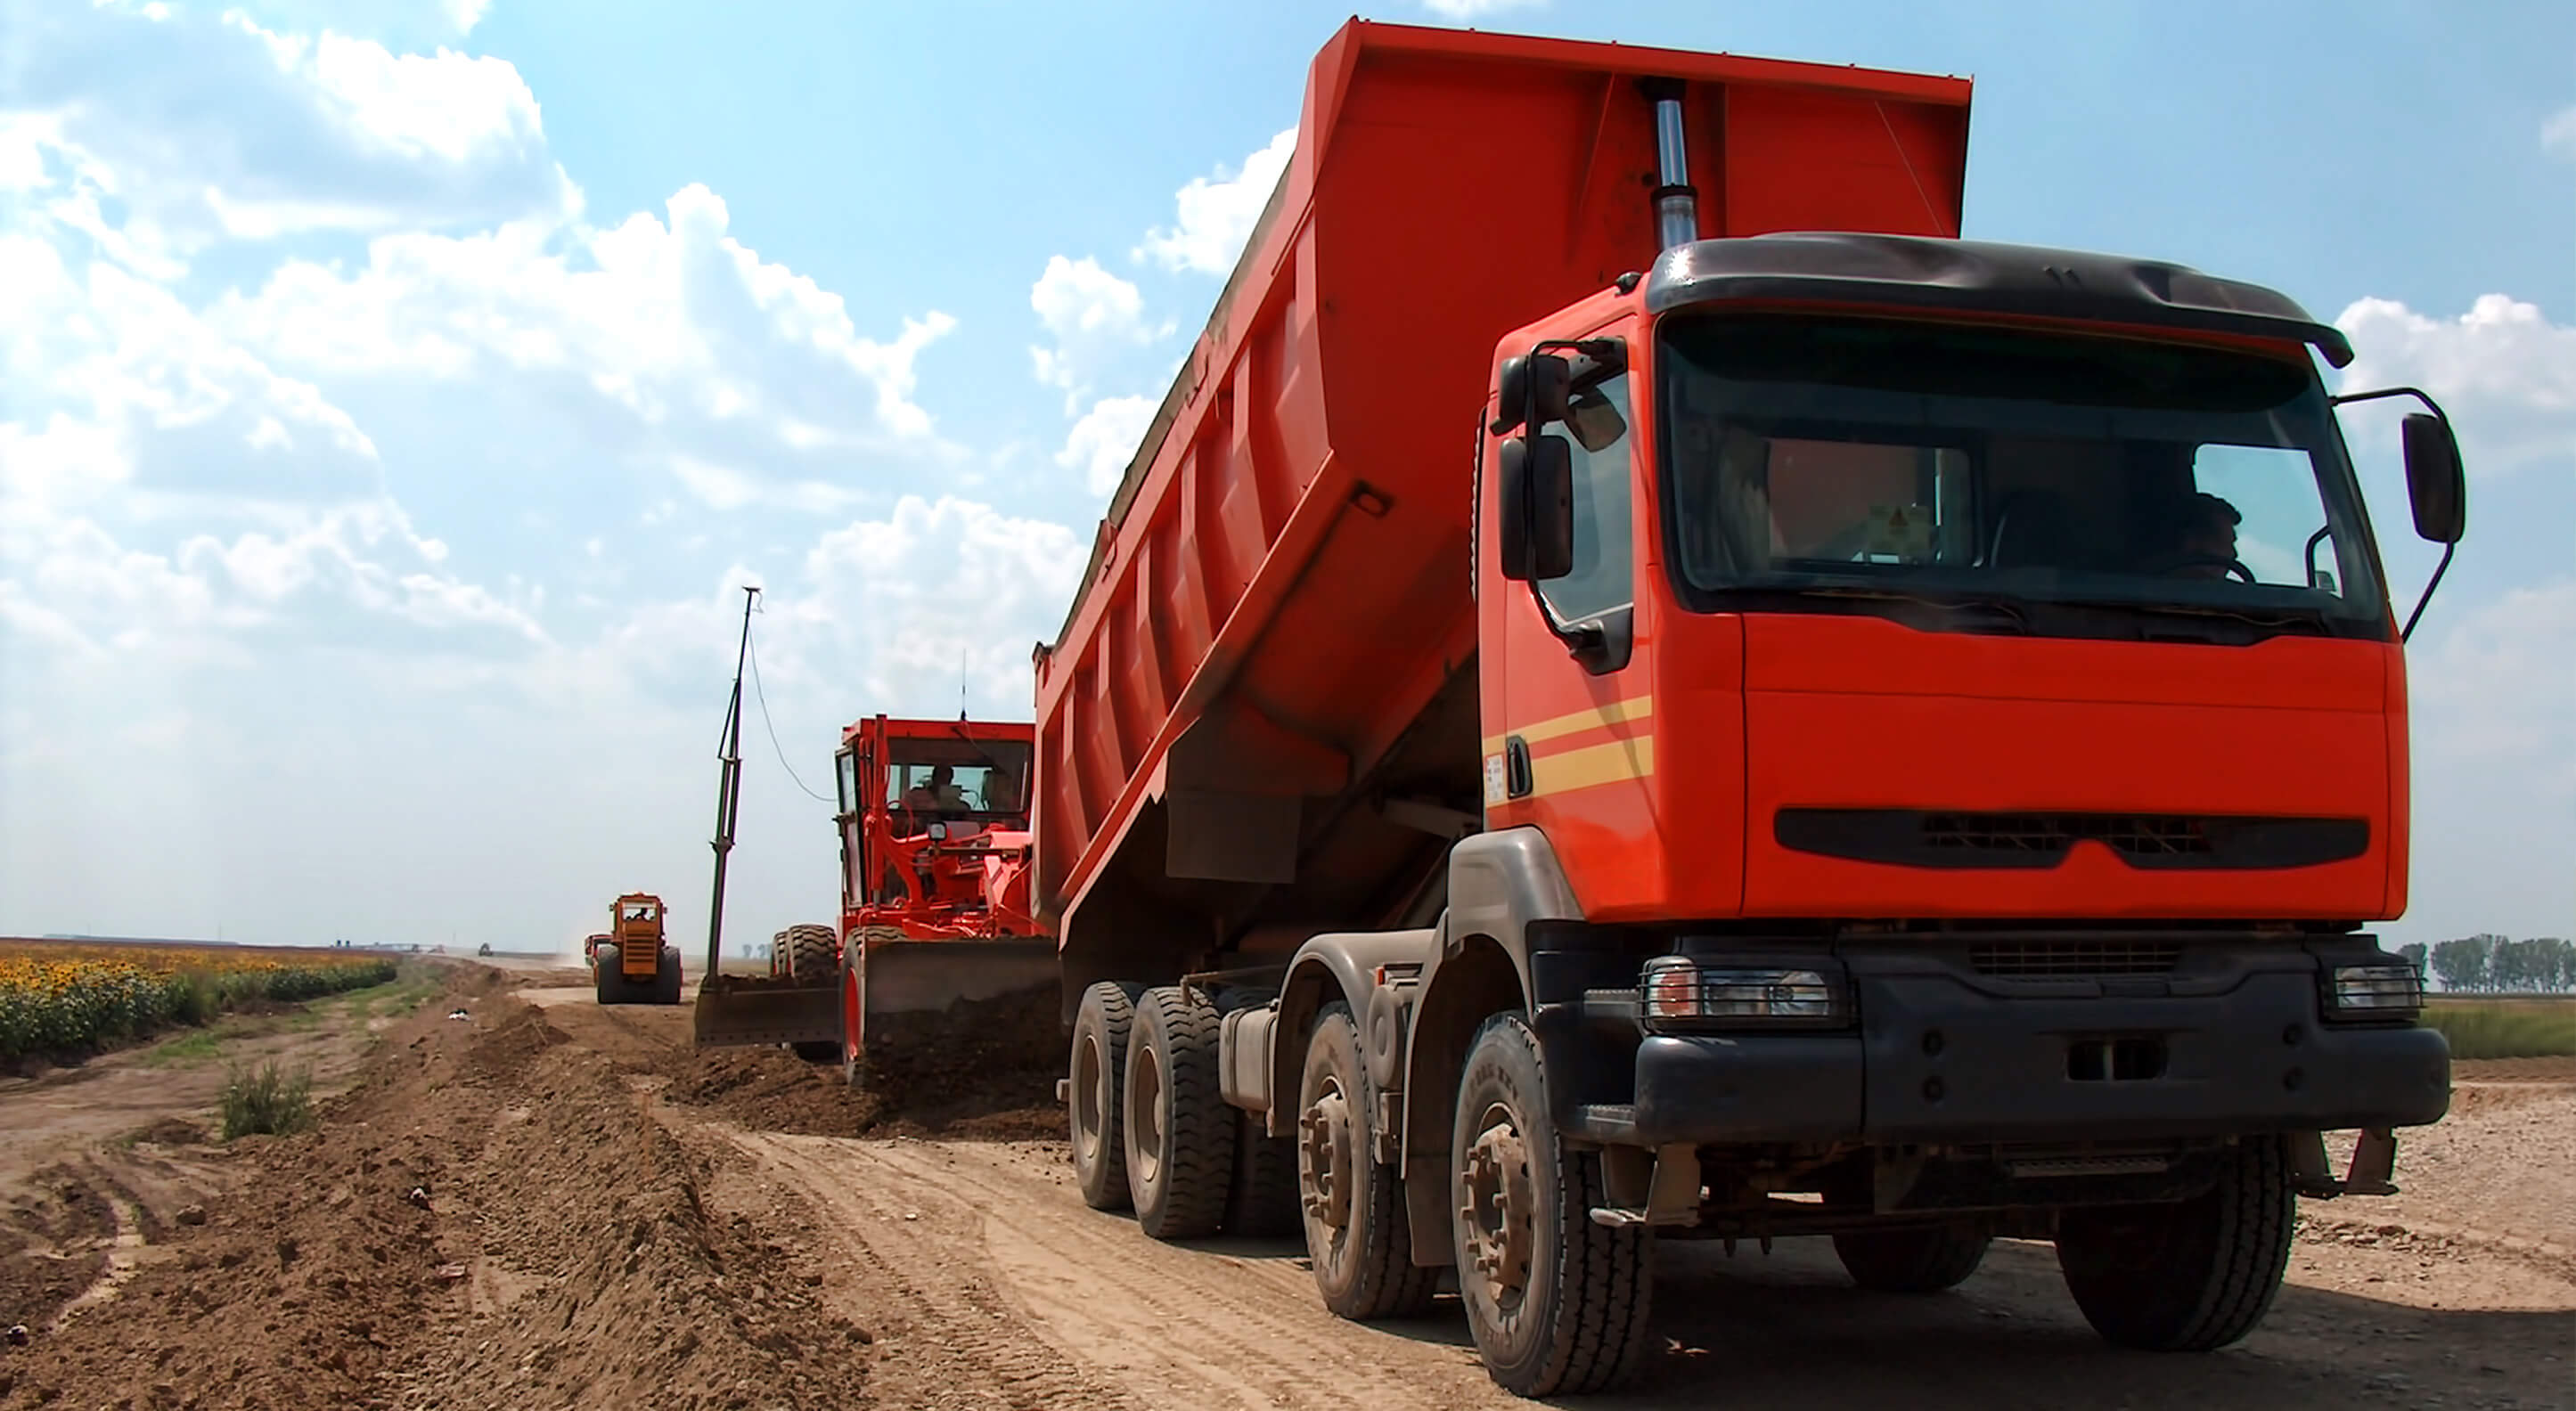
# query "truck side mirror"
(1550, 377)
(1536, 524)
(2434, 481)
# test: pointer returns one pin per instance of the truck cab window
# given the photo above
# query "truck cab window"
(1846, 456)
(1602, 575)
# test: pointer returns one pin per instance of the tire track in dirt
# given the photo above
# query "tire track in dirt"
(958, 1336)
(1226, 1323)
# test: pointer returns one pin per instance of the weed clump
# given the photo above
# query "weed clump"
(268, 1102)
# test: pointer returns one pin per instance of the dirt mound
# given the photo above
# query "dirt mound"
(487, 1217)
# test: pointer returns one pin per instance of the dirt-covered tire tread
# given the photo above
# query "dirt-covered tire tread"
(2190, 1277)
(812, 953)
(1387, 1284)
(1197, 1163)
(1109, 1007)
(1603, 1277)
(1917, 1259)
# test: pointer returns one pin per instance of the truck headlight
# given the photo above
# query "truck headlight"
(1679, 993)
(2374, 990)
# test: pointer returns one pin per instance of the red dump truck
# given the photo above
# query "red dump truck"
(1877, 734)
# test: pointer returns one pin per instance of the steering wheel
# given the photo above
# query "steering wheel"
(2234, 568)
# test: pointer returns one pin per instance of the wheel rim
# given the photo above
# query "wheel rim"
(1498, 1210)
(1145, 1116)
(1324, 1159)
(1090, 1098)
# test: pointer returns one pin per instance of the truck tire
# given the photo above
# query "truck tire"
(1557, 1303)
(1263, 1204)
(1180, 1132)
(2190, 1276)
(1923, 1259)
(1353, 1207)
(611, 986)
(1096, 1076)
(667, 983)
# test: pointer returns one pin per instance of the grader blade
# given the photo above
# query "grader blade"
(745, 1010)
(907, 987)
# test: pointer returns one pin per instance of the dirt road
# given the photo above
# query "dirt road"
(603, 1218)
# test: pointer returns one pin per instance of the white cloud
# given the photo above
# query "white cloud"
(1217, 215)
(1105, 440)
(677, 323)
(201, 128)
(2503, 371)
(942, 586)
(465, 14)
(1463, 10)
(2558, 133)
(2503, 688)
(1091, 314)
(440, 518)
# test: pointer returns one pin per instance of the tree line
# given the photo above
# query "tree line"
(2489, 963)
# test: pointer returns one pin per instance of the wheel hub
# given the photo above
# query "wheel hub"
(1089, 1079)
(1499, 1211)
(1145, 1118)
(1324, 1131)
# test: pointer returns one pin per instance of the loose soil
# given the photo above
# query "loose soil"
(554, 1204)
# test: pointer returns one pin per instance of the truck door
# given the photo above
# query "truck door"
(1569, 736)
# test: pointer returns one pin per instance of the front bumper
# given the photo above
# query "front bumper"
(1942, 1055)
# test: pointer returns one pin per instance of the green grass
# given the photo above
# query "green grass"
(2505, 1028)
(195, 1047)
(268, 1102)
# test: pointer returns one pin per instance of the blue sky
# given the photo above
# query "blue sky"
(394, 391)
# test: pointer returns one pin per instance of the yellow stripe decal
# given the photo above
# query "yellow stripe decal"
(1619, 761)
(1616, 712)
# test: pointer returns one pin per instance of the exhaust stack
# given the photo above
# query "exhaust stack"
(1676, 203)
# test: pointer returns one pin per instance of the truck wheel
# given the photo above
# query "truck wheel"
(1356, 1236)
(1557, 1303)
(605, 978)
(1096, 1074)
(1263, 1204)
(667, 983)
(1180, 1133)
(1926, 1259)
(2190, 1276)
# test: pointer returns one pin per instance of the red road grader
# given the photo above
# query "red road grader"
(934, 829)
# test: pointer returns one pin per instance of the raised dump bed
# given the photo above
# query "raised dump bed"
(1260, 716)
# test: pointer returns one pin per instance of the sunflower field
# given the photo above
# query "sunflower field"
(63, 999)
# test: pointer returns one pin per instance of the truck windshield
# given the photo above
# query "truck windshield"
(1824, 458)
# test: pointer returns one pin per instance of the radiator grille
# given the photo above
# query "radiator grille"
(2046, 958)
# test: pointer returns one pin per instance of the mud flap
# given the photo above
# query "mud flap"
(747, 1010)
(907, 983)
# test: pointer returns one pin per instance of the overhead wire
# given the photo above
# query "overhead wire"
(752, 650)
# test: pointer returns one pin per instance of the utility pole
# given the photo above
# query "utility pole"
(728, 789)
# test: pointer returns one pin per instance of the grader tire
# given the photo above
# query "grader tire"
(812, 957)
